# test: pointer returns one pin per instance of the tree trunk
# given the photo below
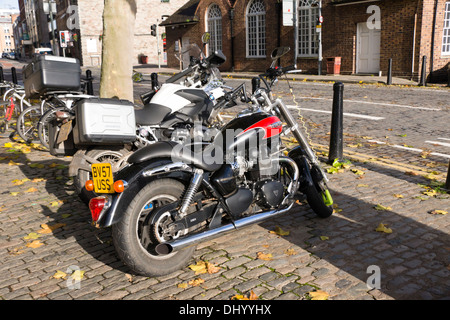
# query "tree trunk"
(117, 49)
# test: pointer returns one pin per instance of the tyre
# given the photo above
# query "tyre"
(116, 157)
(139, 231)
(44, 123)
(316, 200)
(27, 124)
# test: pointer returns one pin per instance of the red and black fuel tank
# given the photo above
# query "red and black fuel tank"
(268, 125)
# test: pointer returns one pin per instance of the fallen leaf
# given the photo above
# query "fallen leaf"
(362, 186)
(183, 285)
(7, 145)
(129, 277)
(318, 295)
(56, 203)
(280, 232)
(196, 282)
(49, 229)
(439, 212)
(14, 193)
(65, 215)
(411, 173)
(17, 182)
(77, 275)
(212, 268)
(380, 207)
(32, 236)
(12, 163)
(35, 244)
(323, 238)
(263, 256)
(290, 252)
(382, 228)
(59, 275)
(398, 195)
(38, 179)
(30, 190)
(252, 296)
(357, 172)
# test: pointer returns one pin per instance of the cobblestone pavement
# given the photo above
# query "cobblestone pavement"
(343, 255)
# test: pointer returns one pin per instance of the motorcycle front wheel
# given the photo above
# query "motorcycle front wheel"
(319, 201)
(136, 235)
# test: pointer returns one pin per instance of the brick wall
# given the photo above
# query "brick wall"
(400, 20)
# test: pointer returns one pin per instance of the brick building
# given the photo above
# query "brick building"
(7, 40)
(364, 33)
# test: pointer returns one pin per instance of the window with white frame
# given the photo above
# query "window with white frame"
(308, 40)
(256, 29)
(446, 33)
(214, 25)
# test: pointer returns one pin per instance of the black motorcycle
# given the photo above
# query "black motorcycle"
(171, 197)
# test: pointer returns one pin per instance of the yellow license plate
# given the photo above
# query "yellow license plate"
(102, 177)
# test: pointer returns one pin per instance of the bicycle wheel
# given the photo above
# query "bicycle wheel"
(27, 124)
(43, 124)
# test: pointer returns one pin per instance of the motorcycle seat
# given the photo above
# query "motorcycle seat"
(204, 159)
(151, 114)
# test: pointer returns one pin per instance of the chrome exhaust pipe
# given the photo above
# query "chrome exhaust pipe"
(177, 244)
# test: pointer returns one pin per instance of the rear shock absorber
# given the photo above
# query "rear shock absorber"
(190, 192)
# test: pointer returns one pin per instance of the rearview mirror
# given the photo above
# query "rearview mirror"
(279, 52)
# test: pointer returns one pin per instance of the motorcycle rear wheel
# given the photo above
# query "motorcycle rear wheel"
(135, 239)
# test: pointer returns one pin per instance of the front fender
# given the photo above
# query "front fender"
(136, 180)
(298, 155)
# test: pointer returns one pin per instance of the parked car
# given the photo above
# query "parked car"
(41, 51)
(5, 55)
(12, 55)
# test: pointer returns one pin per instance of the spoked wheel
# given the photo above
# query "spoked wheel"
(143, 226)
(44, 123)
(27, 124)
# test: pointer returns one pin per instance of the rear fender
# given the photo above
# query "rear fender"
(136, 179)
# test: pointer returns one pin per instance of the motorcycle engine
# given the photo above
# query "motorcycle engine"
(270, 193)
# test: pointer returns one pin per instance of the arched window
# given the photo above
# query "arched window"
(214, 27)
(256, 29)
(308, 40)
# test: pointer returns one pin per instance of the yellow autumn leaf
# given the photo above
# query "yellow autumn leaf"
(318, 295)
(49, 229)
(32, 236)
(398, 195)
(196, 282)
(358, 172)
(56, 203)
(30, 190)
(12, 163)
(77, 275)
(199, 267)
(35, 244)
(280, 232)
(439, 212)
(14, 193)
(183, 285)
(38, 179)
(323, 238)
(7, 145)
(290, 252)
(380, 207)
(17, 182)
(264, 256)
(59, 275)
(252, 296)
(382, 228)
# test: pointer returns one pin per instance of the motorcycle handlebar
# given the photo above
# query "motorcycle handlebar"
(180, 75)
(288, 68)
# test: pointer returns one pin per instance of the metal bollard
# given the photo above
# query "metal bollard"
(89, 86)
(423, 76)
(447, 182)
(14, 75)
(389, 76)
(155, 82)
(337, 124)
(2, 78)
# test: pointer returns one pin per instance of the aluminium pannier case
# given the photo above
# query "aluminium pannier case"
(103, 121)
(51, 73)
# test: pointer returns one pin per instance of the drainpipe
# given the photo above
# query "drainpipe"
(433, 34)
(232, 38)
